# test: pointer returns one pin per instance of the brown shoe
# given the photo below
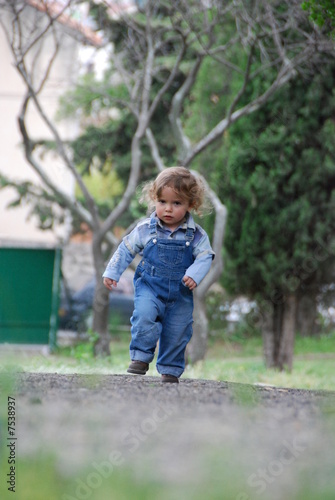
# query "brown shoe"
(169, 379)
(138, 367)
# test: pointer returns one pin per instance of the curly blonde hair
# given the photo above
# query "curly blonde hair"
(189, 187)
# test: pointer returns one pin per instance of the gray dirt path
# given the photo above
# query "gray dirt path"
(267, 441)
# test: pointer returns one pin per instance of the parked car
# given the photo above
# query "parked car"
(75, 309)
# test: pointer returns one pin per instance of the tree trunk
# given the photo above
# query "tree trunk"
(100, 304)
(278, 315)
(278, 334)
(100, 319)
(285, 354)
(268, 338)
(306, 315)
(197, 348)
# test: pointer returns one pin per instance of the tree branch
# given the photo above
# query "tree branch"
(286, 73)
(72, 205)
(33, 95)
(154, 150)
(217, 240)
(245, 82)
(182, 141)
(168, 82)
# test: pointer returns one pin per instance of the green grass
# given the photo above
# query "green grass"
(240, 360)
(231, 359)
(316, 374)
(39, 478)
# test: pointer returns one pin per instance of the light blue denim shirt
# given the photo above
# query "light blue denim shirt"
(135, 242)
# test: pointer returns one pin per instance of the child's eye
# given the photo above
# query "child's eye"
(161, 201)
(177, 203)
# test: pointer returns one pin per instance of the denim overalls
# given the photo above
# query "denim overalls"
(163, 303)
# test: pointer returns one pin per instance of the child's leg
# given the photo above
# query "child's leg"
(176, 333)
(146, 324)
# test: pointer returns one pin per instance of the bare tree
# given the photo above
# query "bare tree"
(158, 54)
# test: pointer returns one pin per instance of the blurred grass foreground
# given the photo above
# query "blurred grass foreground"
(236, 358)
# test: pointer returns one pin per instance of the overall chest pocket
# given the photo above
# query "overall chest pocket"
(170, 254)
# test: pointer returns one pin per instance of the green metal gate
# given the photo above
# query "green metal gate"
(29, 282)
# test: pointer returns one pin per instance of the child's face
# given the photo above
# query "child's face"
(171, 208)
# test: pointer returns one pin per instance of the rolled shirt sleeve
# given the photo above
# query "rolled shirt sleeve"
(119, 262)
(203, 255)
(131, 245)
(200, 267)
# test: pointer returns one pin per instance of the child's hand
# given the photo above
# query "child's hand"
(189, 282)
(109, 283)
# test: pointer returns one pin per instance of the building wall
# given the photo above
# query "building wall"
(13, 222)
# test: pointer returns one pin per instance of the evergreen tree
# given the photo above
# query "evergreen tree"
(321, 11)
(280, 193)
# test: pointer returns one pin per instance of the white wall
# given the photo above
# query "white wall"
(13, 222)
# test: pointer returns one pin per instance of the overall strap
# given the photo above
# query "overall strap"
(153, 227)
(189, 235)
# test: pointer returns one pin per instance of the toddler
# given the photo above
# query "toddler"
(176, 256)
